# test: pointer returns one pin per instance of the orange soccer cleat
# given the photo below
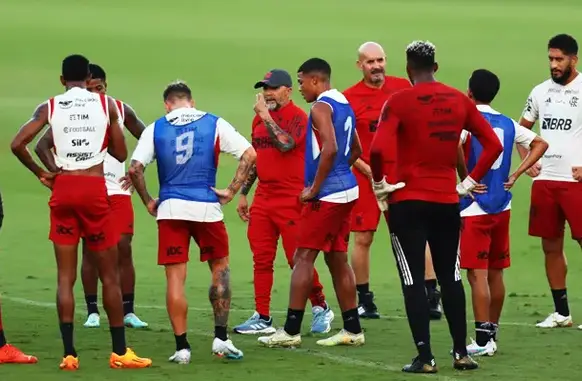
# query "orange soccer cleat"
(69, 363)
(128, 361)
(11, 355)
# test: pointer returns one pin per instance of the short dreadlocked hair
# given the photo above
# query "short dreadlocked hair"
(421, 55)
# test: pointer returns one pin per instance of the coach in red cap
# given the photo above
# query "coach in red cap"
(278, 135)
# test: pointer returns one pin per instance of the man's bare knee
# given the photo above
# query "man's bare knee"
(335, 260)
(553, 247)
(305, 257)
(364, 239)
(477, 277)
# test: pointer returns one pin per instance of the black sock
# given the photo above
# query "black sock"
(352, 321)
(363, 289)
(220, 332)
(118, 340)
(91, 301)
(128, 304)
(430, 285)
(181, 342)
(483, 332)
(67, 336)
(293, 322)
(2, 338)
(265, 317)
(494, 332)
(561, 302)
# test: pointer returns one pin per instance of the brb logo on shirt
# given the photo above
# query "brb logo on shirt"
(557, 124)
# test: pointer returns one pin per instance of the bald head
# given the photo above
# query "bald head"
(372, 63)
(370, 49)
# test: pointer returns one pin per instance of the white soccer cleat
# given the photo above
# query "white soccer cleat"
(182, 356)
(93, 321)
(226, 349)
(280, 339)
(344, 337)
(488, 349)
(555, 320)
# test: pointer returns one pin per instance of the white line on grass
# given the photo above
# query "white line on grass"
(311, 352)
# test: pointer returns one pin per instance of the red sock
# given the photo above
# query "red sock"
(317, 297)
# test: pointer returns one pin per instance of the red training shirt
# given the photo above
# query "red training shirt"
(367, 103)
(418, 135)
(279, 172)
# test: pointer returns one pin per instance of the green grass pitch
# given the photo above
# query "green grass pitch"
(221, 48)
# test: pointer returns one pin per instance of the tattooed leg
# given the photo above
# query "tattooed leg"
(220, 295)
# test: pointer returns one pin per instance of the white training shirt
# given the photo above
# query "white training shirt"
(79, 120)
(559, 110)
(230, 142)
(523, 137)
(114, 169)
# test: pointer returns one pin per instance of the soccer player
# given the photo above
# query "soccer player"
(332, 146)
(278, 135)
(366, 98)
(85, 127)
(484, 242)
(9, 354)
(186, 143)
(121, 209)
(419, 130)
(556, 194)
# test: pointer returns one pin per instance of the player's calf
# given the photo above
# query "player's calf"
(177, 307)
(301, 284)
(344, 285)
(90, 280)
(556, 269)
(219, 295)
(127, 274)
(66, 256)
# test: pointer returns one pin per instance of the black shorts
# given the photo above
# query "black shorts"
(414, 223)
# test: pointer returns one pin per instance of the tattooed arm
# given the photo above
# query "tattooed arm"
(143, 155)
(248, 184)
(247, 161)
(280, 138)
(219, 292)
(136, 173)
(233, 143)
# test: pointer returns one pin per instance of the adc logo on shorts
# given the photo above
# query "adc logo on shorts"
(96, 238)
(174, 250)
(64, 230)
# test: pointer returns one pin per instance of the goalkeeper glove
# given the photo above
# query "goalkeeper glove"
(382, 189)
(466, 186)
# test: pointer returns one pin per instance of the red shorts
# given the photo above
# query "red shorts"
(122, 213)
(484, 241)
(552, 204)
(366, 213)
(174, 240)
(79, 207)
(325, 226)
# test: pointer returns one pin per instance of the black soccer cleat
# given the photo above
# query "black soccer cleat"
(434, 302)
(421, 366)
(366, 308)
(464, 362)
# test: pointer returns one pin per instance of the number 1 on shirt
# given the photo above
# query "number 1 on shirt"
(348, 127)
(184, 147)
